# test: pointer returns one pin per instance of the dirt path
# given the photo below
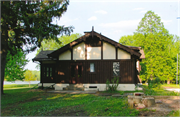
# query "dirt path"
(162, 109)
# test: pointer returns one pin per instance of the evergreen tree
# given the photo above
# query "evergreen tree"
(159, 48)
(24, 24)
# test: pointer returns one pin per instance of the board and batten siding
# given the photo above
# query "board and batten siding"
(109, 51)
(65, 55)
(93, 53)
(123, 55)
(103, 71)
(79, 52)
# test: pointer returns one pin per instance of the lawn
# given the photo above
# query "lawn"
(159, 91)
(28, 102)
(171, 85)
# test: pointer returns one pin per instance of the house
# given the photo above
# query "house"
(89, 61)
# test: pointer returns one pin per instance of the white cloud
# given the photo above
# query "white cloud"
(92, 18)
(138, 9)
(144, 11)
(101, 12)
(125, 26)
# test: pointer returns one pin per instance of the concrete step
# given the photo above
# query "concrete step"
(74, 87)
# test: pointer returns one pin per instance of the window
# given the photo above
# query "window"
(92, 69)
(116, 69)
(47, 71)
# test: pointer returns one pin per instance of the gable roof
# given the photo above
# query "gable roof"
(102, 37)
(47, 55)
(43, 55)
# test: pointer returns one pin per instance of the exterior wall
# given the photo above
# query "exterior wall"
(123, 55)
(79, 52)
(60, 86)
(65, 55)
(108, 51)
(103, 71)
(100, 87)
(93, 53)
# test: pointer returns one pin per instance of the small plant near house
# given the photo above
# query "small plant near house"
(112, 86)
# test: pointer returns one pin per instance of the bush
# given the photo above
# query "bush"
(155, 83)
(114, 84)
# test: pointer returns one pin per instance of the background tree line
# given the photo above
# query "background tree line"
(160, 48)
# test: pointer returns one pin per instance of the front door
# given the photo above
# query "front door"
(76, 73)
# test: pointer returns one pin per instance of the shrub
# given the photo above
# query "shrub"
(114, 84)
(155, 83)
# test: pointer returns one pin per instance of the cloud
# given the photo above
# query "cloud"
(144, 11)
(125, 26)
(138, 9)
(92, 18)
(101, 12)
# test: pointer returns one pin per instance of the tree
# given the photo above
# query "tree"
(29, 76)
(24, 24)
(158, 45)
(51, 44)
(150, 23)
(15, 66)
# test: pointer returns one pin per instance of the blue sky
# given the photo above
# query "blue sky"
(115, 18)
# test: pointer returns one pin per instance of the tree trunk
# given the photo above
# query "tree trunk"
(3, 65)
(29, 83)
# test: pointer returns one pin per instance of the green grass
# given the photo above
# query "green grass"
(7, 86)
(26, 102)
(171, 85)
(159, 91)
(174, 113)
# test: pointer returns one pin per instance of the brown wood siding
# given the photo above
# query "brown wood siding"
(44, 77)
(103, 71)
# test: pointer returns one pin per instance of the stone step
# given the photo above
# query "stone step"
(74, 87)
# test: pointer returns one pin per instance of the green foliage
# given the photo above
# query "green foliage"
(112, 86)
(27, 102)
(14, 69)
(29, 76)
(51, 44)
(24, 25)
(154, 83)
(159, 46)
(36, 75)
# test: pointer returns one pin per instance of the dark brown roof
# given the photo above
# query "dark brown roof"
(43, 55)
(93, 33)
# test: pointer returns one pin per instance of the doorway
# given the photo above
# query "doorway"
(76, 70)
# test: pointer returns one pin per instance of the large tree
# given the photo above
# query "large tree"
(24, 24)
(159, 47)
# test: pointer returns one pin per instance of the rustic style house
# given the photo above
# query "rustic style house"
(89, 61)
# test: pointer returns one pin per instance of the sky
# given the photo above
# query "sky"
(115, 18)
